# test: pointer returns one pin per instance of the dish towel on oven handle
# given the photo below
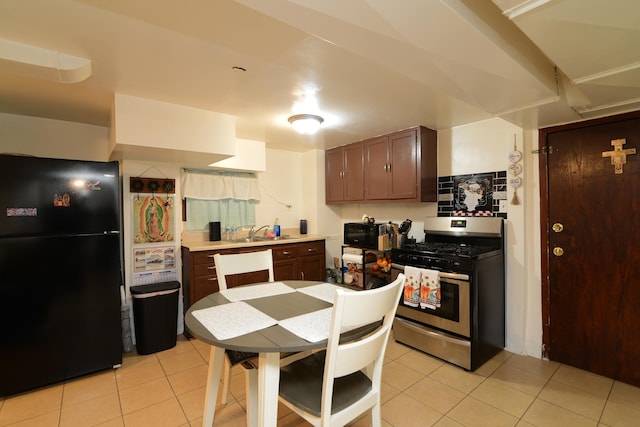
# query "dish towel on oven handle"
(429, 289)
(412, 286)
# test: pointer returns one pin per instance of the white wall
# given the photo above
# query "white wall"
(322, 218)
(143, 128)
(531, 268)
(280, 189)
(67, 140)
(52, 138)
(476, 148)
(297, 179)
(250, 155)
(483, 147)
(132, 168)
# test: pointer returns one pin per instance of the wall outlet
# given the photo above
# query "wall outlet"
(503, 205)
(499, 195)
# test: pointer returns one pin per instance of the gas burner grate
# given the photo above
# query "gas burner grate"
(434, 248)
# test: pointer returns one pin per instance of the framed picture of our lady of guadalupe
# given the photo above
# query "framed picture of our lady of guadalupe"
(153, 219)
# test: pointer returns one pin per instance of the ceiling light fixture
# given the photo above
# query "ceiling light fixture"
(306, 124)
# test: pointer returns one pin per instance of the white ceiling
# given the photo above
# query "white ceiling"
(376, 65)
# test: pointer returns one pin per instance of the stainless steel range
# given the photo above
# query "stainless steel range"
(467, 327)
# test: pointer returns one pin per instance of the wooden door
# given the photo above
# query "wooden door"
(285, 270)
(404, 164)
(353, 176)
(591, 227)
(312, 268)
(312, 260)
(334, 169)
(344, 173)
(376, 169)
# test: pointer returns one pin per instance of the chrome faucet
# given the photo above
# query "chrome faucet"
(252, 232)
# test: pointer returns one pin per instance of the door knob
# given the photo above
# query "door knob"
(558, 251)
(557, 227)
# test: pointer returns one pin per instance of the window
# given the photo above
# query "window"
(228, 197)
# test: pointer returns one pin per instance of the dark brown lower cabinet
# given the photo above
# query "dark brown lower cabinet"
(291, 261)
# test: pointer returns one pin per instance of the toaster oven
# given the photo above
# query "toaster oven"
(363, 234)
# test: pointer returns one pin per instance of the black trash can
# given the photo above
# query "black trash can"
(155, 314)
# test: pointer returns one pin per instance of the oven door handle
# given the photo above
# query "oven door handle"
(455, 276)
(443, 275)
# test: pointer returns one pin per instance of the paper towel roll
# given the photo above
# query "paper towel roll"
(352, 258)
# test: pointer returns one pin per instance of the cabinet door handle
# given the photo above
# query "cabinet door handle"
(286, 252)
(210, 256)
(388, 167)
(311, 250)
(212, 279)
(302, 275)
(211, 267)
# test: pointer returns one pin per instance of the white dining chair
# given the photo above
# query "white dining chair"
(247, 262)
(335, 386)
(226, 265)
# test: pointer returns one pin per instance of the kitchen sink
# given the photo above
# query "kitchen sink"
(266, 239)
(257, 239)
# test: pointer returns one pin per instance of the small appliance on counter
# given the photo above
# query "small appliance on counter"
(363, 234)
(377, 236)
(215, 234)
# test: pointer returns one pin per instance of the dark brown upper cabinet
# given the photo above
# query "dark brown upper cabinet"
(344, 168)
(398, 167)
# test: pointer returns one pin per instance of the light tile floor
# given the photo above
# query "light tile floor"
(167, 389)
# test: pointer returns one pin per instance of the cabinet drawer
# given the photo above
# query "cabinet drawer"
(204, 286)
(204, 257)
(284, 252)
(200, 270)
(311, 248)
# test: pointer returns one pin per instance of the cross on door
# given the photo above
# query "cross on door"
(618, 155)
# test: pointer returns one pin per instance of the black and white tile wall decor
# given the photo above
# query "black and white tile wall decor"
(476, 194)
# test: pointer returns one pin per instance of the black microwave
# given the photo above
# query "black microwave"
(363, 234)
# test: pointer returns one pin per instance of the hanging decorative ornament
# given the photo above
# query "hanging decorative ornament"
(515, 155)
(515, 182)
(515, 169)
(514, 199)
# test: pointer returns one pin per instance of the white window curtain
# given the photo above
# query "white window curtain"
(228, 197)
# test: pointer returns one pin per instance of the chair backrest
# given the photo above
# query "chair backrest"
(353, 309)
(242, 263)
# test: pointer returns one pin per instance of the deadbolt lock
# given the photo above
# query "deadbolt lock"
(557, 227)
(558, 251)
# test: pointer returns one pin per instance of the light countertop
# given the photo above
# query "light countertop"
(200, 245)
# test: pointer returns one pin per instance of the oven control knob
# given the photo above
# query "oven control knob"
(558, 251)
(557, 227)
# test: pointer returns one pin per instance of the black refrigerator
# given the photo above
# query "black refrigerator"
(60, 270)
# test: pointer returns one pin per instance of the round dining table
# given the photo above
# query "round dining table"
(267, 342)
